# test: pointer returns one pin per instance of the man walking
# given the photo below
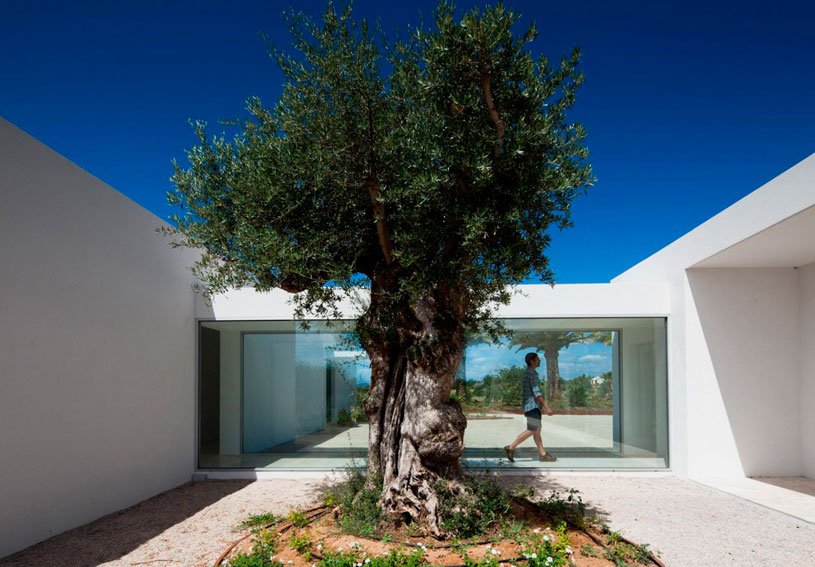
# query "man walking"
(533, 403)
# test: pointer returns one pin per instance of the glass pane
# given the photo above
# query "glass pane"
(577, 376)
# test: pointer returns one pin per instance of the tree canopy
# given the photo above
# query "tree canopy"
(431, 170)
(445, 158)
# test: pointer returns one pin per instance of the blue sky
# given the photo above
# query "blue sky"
(481, 359)
(576, 359)
(689, 105)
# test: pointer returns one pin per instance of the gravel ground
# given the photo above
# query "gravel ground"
(188, 526)
(689, 524)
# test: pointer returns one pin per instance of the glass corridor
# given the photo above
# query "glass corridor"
(272, 395)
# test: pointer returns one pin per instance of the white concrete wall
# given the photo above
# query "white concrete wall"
(806, 298)
(741, 316)
(743, 372)
(97, 351)
(566, 300)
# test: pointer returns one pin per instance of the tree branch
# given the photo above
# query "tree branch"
(290, 283)
(379, 215)
(500, 127)
(382, 231)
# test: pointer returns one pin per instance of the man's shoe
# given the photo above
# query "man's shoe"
(510, 454)
(547, 458)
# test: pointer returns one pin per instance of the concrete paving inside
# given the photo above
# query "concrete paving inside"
(579, 442)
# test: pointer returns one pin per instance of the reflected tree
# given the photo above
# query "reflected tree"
(551, 343)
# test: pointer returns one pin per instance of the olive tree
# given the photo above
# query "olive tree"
(429, 171)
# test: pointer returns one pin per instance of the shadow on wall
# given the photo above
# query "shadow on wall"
(748, 319)
(114, 536)
(203, 309)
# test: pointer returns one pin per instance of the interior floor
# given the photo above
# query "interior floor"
(579, 442)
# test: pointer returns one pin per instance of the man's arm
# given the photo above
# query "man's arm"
(544, 406)
(536, 391)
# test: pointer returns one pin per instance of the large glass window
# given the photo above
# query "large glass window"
(273, 395)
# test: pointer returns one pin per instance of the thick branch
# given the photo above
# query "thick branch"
(379, 215)
(373, 189)
(500, 127)
(290, 283)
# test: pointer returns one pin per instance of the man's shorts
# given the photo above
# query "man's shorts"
(533, 419)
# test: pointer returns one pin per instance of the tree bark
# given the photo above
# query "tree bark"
(416, 431)
(552, 374)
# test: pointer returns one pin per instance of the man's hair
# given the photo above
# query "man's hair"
(530, 356)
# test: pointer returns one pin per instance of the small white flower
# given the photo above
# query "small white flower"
(290, 562)
(353, 545)
(367, 560)
(548, 559)
(495, 551)
(546, 538)
(569, 550)
(319, 547)
(536, 531)
(339, 549)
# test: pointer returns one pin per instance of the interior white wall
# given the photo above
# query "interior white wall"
(643, 399)
(97, 408)
(806, 298)
(310, 383)
(270, 401)
(743, 372)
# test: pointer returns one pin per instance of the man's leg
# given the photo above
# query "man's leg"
(510, 449)
(536, 435)
(523, 436)
(544, 454)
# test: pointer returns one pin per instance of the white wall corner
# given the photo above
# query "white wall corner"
(806, 346)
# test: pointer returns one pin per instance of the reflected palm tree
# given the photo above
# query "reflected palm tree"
(551, 343)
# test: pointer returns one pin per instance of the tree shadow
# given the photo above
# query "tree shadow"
(544, 485)
(113, 536)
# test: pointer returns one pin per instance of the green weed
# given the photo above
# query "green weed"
(511, 529)
(298, 519)
(258, 521)
(569, 509)
(301, 543)
(355, 557)
(625, 554)
(547, 548)
(466, 515)
(359, 505)
(262, 553)
(491, 558)
(589, 550)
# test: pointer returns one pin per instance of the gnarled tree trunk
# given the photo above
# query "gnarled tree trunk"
(416, 431)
